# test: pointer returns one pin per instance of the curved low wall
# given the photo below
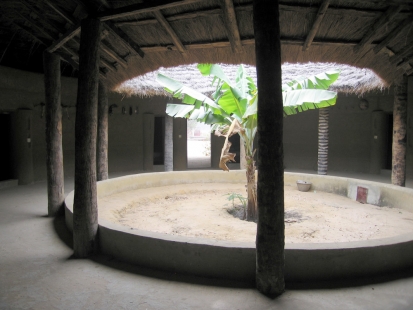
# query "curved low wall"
(236, 260)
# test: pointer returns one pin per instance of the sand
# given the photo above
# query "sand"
(201, 210)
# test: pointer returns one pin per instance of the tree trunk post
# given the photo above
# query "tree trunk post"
(270, 226)
(398, 176)
(102, 135)
(54, 159)
(323, 115)
(85, 213)
(169, 143)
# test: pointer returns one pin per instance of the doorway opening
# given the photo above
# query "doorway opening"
(6, 147)
(199, 145)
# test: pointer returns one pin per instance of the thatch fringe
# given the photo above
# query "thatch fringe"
(352, 80)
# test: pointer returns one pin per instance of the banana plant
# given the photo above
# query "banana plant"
(232, 109)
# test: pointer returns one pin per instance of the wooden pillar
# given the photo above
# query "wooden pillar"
(169, 143)
(85, 213)
(102, 135)
(270, 226)
(322, 163)
(54, 149)
(398, 176)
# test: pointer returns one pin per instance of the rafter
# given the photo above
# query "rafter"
(405, 51)
(177, 41)
(332, 11)
(123, 38)
(231, 25)
(70, 34)
(320, 15)
(380, 24)
(34, 25)
(59, 11)
(392, 35)
(146, 7)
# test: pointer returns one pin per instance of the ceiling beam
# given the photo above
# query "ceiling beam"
(123, 38)
(380, 24)
(175, 39)
(103, 46)
(395, 32)
(405, 51)
(34, 25)
(108, 64)
(320, 15)
(59, 11)
(70, 34)
(332, 11)
(246, 42)
(146, 7)
(230, 20)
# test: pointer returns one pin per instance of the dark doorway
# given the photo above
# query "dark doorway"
(5, 143)
(389, 143)
(159, 141)
(235, 147)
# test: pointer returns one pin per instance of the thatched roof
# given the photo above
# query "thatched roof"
(141, 36)
(352, 80)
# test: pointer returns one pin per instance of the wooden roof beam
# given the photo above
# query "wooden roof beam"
(392, 35)
(70, 34)
(104, 47)
(177, 41)
(59, 11)
(320, 15)
(123, 38)
(34, 25)
(146, 7)
(405, 51)
(230, 20)
(380, 24)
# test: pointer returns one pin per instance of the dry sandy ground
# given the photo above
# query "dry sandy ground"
(200, 210)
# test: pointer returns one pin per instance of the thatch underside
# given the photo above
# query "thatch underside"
(141, 36)
(352, 80)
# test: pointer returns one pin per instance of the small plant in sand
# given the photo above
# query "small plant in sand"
(239, 211)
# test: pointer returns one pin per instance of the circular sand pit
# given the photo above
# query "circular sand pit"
(203, 210)
(179, 221)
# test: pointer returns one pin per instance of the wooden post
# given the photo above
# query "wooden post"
(102, 135)
(322, 163)
(54, 158)
(270, 226)
(85, 213)
(398, 176)
(169, 143)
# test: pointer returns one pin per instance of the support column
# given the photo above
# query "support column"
(85, 213)
(270, 226)
(322, 163)
(54, 160)
(169, 143)
(102, 135)
(398, 176)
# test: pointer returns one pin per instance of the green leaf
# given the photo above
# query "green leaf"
(214, 70)
(304, 99)
(319, 81)
(186, 94)
(178, 110)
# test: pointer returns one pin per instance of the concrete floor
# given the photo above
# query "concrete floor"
(37, 272)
